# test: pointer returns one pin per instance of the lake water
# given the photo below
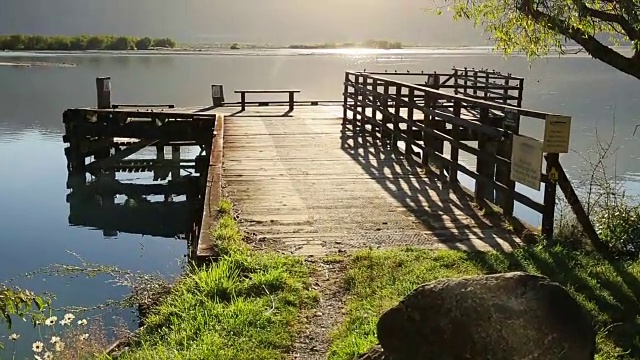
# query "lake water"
(33, 210)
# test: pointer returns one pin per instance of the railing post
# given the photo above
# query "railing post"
(475, 83)
(506, 90)
(398, 111)
(356, 100)
(375, 97)
(345, 95)
(550, 191)
(466, 82)
(520, 91)
(408, 146)
(456, 82)
(503, 173)
(363, 103)
(385, 117)
(485, 168)
(486, 86)
(455, 152)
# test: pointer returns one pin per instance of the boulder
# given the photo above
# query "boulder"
(498, 317)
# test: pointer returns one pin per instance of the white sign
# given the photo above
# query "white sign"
(216, 91)
(557, 132)
(107, 85)
(526, 161)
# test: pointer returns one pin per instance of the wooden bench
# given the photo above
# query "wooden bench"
(243, 96)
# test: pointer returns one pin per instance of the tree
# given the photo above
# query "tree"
(538, 26)
(144, 43)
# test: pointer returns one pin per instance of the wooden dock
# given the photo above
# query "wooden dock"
(309, 184)
(379, 168)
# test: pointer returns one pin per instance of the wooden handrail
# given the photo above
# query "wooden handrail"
(451, 97)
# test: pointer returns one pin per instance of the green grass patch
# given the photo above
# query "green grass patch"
(246, 306)
(377, 280)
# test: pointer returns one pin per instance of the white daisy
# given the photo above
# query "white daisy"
(37, 346)
(69, 317)
(51, 321)
(54, 339)
(14, 337)
(84, 336)
(82, 322)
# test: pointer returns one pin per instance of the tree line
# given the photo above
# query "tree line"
(82, 42)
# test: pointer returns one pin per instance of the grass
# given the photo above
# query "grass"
(245, 306)
(378, 279)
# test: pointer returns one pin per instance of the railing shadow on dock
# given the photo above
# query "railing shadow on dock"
(414, 189)
(475, 112)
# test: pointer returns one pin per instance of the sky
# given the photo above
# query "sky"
(250, 21)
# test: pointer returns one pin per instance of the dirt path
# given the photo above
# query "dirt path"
(328, 279)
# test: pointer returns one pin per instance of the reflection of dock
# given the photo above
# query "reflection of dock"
(114, 206)
(115, 140)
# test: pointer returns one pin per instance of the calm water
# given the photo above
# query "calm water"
(34, 212)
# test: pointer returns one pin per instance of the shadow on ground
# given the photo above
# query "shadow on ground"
(422, 193)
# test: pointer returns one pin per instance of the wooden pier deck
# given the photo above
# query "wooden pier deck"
(308, 184)
(379, 168)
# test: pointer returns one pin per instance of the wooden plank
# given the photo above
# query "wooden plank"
(205, 248)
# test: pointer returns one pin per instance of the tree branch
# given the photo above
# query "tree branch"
(629, 30)
(595, 48)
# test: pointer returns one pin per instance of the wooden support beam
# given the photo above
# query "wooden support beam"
(111, 161)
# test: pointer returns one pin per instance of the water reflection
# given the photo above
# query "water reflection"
(115, 206)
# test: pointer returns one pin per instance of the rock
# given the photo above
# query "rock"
(498, 317)
(376, 353)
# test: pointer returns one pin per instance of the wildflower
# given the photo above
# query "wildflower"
(37, 357)
(48, 356)
(14, 337)
(51, 321)
(82, 322)
(84, 336)
(65, 322)
(37, 346)
(54, 339)
(69, 317)
(59, 346)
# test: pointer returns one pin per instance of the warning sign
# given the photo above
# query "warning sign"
(526, 161)
(557, 132)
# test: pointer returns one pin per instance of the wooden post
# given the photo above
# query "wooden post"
(384, 129)
(550, 191)
(408, 146)
(506, 91)
(291, 101)
(345, 95)
(466, 82)
(175, 156)
(375, 97)
(475, 83)
(398, 110)
(456, 82)
(243, 101)
(455, 134)
(356, 97)
(103, 89)
(485, 168)
(217, 94)
(363, 104)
